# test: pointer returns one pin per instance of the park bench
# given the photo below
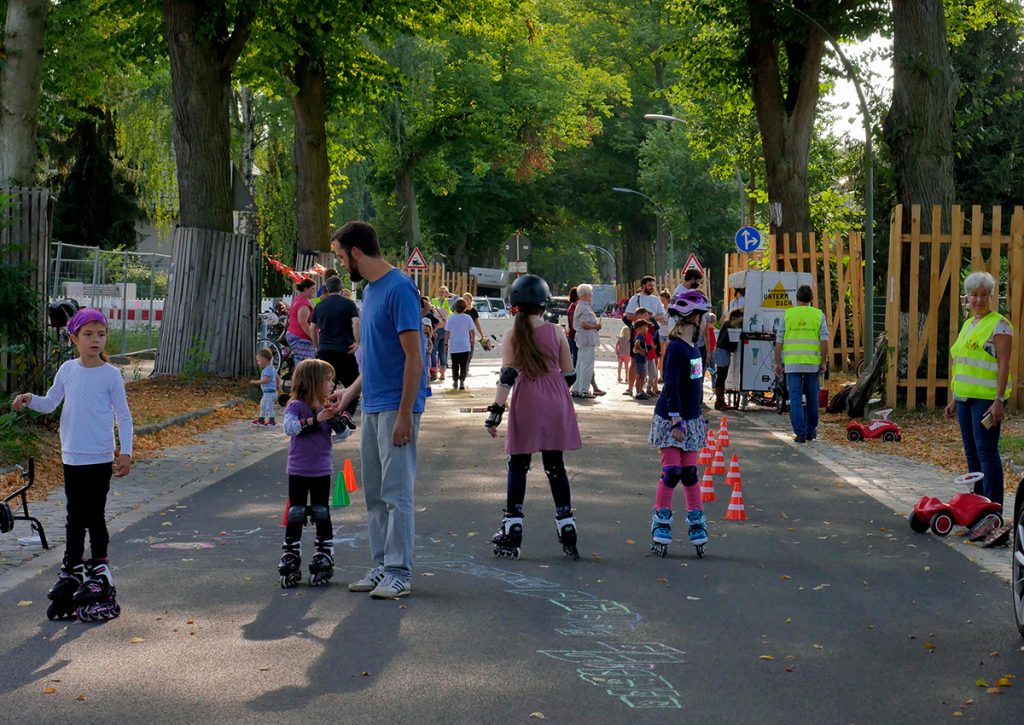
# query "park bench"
(8, 517)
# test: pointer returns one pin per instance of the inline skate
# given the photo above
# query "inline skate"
(290, 567)
(69, 579)
(509, 538)
(96, 599)
(566, 527)
(661, 531)
(321, 568)
(698, 530)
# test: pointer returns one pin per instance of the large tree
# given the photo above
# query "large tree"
(20, 81)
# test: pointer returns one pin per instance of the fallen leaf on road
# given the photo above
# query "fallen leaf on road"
(630, 541)
(662, 580)
(927, 568)
(818, 646)
(189, 621)
(264, 668)
(789, 669)
(693, 599)
(929, 646)
(80, 698)
(25, 603)
(766, 657)
(366, 674)
(538, 716)
(786, 577)
(980, 682)
(957, 713)
(1004, 682)
(821, 586)
(789, 620)
(166, 523)
(49, 690)
(137, 640)
(472, 533)
(994, 691)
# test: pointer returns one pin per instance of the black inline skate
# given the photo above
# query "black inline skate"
(566, 527)
(321, 568)
(69, 579)
(509, 538)
(96, 599)
(290, 567)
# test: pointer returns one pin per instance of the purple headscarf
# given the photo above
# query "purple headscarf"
(84, 317)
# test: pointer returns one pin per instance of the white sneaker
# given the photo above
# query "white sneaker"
(369, 581)
(391, 587)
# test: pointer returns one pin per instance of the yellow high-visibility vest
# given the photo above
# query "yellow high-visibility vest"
(975, 371)
(801, 344)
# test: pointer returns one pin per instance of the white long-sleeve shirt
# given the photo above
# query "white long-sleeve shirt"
(93, 399)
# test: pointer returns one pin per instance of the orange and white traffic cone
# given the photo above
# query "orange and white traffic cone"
(704, 459)
(718, 464)
(707, 487)
(732, 478)
(736, 511)
(284, 519)
(723, 433)
(710, 439)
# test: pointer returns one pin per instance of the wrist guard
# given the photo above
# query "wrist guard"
(494, 413)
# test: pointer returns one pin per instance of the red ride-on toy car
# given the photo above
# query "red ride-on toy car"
(880, 427)
(969, 509)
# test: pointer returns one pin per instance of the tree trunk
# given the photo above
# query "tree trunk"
(919, 126)
(785, 115)
(312, 173)
(211, 298)
(21, 74)
(247, 124)
(405, 199)
(661, 247)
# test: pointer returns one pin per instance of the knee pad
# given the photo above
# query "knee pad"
(297, 515)
(672, 476)
(319, 514)
(515, 464)
(689, 476)
(555, 471)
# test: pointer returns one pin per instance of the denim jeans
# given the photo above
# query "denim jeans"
(981, 447)
(803, 402)
(389, 477)
(439, 355)
(574, 350)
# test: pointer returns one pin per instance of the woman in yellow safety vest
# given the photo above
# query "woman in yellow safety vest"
(981, 382)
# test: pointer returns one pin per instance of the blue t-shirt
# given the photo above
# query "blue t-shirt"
(391, 305)
(270, 387)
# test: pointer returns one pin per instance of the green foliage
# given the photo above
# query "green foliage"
(18, 441)
(196, 362)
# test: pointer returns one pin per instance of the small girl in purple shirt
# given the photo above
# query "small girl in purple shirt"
(309, 419)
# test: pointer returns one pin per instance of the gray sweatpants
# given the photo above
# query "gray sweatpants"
(389, 477)
(267, 405)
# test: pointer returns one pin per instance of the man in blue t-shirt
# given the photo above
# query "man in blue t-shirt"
(394, 386)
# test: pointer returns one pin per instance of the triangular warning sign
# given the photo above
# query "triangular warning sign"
(416, 260)
(777, 298)
(692, 263)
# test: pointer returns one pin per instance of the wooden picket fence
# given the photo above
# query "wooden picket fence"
(918, 352)
(837, 265)
(670, 280)
(436, 276)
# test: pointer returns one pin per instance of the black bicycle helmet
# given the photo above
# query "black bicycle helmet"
(529, 289)
(61, 312)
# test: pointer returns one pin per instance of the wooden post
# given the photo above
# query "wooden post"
(892, 305)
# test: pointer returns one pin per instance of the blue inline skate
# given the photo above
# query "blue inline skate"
(661, 531)
(698, 531)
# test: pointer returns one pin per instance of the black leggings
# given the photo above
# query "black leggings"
(318, 491)
(554, 469)
(720, 375)
(460, 365)
(86, 488)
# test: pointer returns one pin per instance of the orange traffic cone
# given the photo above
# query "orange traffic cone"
(736, 512)
(723, 433)
(704, 459)
(732, 478)
(350, 476)
(711, 439)
(718, 464)
(707, 487)
(284, 519)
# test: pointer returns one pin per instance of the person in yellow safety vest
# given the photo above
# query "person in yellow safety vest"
(801, 352)
(981, 382)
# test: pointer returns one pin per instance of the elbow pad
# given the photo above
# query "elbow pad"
(507, 377)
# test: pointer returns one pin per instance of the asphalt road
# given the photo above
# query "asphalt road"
(821, 607)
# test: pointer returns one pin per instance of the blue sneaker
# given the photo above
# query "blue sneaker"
(698, 527)
(661, 526)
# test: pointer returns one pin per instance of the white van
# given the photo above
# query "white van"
(489, 307)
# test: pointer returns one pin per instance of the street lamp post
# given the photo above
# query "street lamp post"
(869, 200)
(739, 177)
(610, 256)
(659, 216)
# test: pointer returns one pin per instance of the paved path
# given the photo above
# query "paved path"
(822, 607)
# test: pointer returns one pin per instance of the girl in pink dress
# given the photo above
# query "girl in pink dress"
(535, 357)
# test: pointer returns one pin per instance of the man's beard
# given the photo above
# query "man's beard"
(353, 270)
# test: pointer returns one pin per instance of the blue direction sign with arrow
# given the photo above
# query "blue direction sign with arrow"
(748, 239)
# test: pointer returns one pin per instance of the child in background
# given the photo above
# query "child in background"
(309, 418)
(534, 357)
(678, 428)
(641, 347)
(94, 399)
(268, 385)
(460, 331)
(622, 352)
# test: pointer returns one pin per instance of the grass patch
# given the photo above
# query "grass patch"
(140, 337)
(1012, 446)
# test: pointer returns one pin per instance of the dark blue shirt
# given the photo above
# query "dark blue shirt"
(391, 305)
(684, 380)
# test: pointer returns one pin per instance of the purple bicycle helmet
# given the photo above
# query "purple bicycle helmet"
(687, 303)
